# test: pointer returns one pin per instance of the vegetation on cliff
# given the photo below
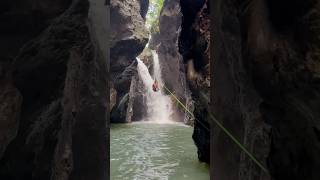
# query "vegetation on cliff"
(152, 20)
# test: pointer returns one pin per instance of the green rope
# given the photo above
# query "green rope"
(179, 102)
(238, 143)
(224, 130)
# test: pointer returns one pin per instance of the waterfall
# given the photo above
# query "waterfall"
(156, 67)
(159, 107)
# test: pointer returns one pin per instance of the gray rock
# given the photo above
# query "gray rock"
(165, 43)
(128, 34)
(128, 39)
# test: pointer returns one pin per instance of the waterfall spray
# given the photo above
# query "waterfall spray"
(159, 107)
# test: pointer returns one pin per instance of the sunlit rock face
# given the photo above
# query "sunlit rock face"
(266, 88)
(194, 43)
(53, 92)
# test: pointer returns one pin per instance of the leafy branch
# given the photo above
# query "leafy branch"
(153, 14)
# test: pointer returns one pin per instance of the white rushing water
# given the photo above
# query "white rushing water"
(159, 105)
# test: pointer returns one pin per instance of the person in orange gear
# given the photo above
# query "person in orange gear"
(155, 86)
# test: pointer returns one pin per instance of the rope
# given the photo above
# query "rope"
(223, 129)
(185, 108)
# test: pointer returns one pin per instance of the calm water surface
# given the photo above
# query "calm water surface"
(149, 151)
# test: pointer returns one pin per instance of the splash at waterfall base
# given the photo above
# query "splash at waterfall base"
(159, 105)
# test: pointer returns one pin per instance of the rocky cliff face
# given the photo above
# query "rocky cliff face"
(194, 45)
(128, 34)
(165, 42)
(53, 92)
(128, 39)
(266, 88)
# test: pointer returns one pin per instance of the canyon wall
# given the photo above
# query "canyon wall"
(128, 38)
(165, 42)
(53, 76)
(194, 43)
(266, 88)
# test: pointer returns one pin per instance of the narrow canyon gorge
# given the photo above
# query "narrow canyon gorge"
(59, 96)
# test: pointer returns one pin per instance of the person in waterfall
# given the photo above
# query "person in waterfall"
(155, 86)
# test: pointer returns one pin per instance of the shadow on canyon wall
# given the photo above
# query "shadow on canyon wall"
(53, 94)
(266, 88)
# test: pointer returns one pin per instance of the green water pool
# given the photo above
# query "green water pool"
(149, 151)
